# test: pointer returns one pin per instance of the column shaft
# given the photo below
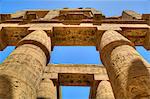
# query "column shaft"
(127, 70)
(47, 90)
(21, 72)
(104, 91)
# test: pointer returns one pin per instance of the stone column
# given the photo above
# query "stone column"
(104, 90)
(128, 72)
(47, 90)
(21, 72)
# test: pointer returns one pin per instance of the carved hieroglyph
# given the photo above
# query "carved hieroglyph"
(22, 71)
(127, 70)
(29, 30)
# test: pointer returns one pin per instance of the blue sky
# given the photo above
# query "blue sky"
(76, 55)
(109, 7)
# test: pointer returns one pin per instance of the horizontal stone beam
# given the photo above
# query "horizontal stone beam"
(76, 75)
(74, 35)
(53, 70)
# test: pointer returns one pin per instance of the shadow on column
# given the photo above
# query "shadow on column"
(5, 88)
(138, 80)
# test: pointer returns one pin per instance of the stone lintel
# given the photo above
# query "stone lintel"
(85, 34)
(123, 21)
(52, 71)
(41, 27)
(76, 75)
(105, 28)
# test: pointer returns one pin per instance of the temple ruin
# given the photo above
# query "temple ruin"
(26, 74)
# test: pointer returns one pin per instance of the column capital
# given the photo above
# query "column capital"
(40, 39)
(110, 40)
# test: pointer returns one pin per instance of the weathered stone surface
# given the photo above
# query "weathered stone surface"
(4, 17)
(147, 40)
(3, 39)
(76, 75)
(23, 69)
(30, 30)
(46, 90)
(40, 39)
(76, 32)
(19, 14)
(146, 17)
(74, 35)
(104, 90)
(112, 39)
(52, 70)
(129, 14)
(51, 14)
(127, 70)
(85, 34)
(132, 73)
(14, 34)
